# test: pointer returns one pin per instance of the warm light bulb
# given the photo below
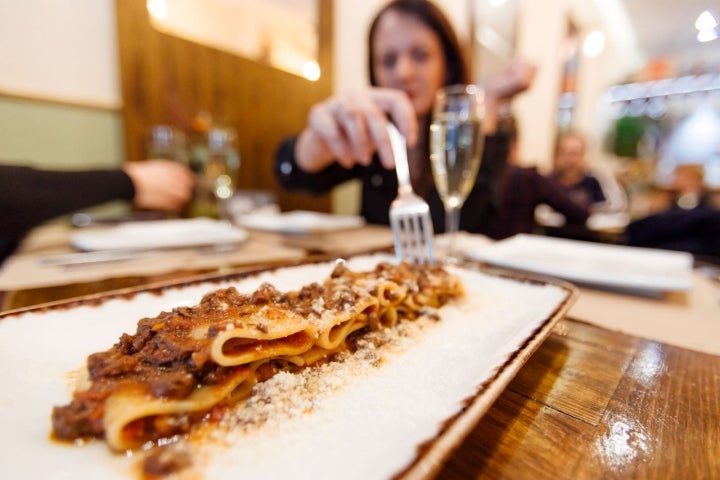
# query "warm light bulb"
(311, 71)
(594, 44)
(706, 21)
(157, 8)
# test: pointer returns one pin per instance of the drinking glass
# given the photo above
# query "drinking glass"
(456, 144)
(167, 142)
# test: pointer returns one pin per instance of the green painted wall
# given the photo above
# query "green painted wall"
(55, 136)
(61, 137)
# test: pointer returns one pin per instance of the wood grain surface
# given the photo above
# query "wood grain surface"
(598, 404)
(168, 80)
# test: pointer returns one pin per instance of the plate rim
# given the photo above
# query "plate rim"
(457, 427)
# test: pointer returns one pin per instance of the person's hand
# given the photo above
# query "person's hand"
(160, 184)
(349, 128)
(515, 78)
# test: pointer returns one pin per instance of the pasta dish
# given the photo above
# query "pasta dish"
(180, 365)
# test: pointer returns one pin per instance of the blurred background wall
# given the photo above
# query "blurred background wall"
(61, 100)
(59, 84)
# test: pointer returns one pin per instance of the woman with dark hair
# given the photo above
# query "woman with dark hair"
(413, 52)
(455, 66)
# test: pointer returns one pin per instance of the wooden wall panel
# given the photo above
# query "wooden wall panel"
(165, 79)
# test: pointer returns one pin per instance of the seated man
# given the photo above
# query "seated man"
(694, 231)
(689, 223)
(522, 189)
(571, 171)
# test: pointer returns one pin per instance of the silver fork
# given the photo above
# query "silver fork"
(409, 214)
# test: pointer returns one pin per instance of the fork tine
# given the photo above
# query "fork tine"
(412, 236)
(397, 237)
(400, 237)
(428, 231)
(405, 246)
(415, 227)
(409, 214)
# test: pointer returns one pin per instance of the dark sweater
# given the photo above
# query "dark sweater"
(29, 197)
(587, 191)
(522, 190)
(379, 185)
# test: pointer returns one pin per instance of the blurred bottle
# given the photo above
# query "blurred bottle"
(199, 128)
(218, 179)
(223, 161)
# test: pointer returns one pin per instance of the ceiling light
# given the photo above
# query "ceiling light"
(496, 3)
(706, 21)
(707, 35)
(311, 71)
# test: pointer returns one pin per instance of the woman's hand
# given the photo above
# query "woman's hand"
(349, 128)
(516, 78)
(160, 184)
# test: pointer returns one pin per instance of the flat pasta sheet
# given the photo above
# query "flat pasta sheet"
(394, 410)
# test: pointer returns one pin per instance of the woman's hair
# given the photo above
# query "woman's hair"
(429, 14)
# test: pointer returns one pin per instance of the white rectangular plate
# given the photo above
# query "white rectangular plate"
(428, 394)
(301, 222)
(191, 232)
(616, 266)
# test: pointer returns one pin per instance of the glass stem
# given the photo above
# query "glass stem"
(452, 225)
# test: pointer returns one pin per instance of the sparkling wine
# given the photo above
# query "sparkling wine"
(455, 147)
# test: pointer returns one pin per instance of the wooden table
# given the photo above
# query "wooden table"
(590, 403)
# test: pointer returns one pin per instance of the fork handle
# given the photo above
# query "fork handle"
(399, 148)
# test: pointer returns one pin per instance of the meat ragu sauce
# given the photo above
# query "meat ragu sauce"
(165, 359)
(162, 358)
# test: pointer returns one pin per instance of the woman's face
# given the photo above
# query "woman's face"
(408, 55)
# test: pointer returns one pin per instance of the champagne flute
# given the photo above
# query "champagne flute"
(456, 144)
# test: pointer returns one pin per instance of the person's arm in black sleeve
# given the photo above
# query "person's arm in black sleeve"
(29, 197)
(494, 161)
(292, 177)
(553, 194)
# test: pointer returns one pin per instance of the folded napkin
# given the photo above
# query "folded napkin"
(604, 265)
(686, 317)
